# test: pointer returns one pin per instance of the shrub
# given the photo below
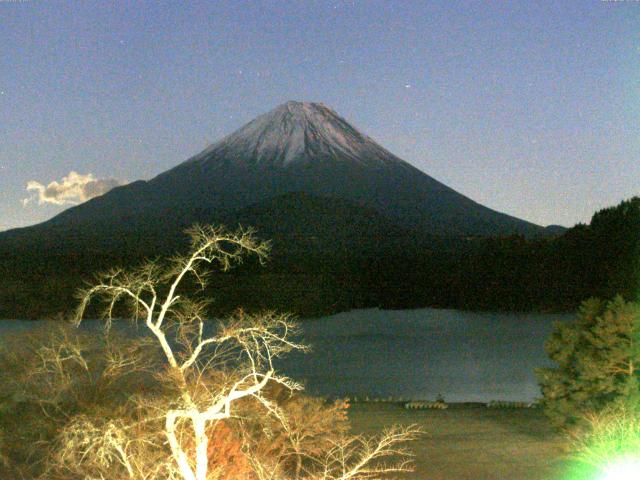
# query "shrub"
(608, 439)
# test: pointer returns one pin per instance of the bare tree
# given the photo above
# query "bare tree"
(209, 371)
(257, 339)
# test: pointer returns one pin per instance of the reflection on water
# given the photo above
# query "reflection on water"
(417, 354)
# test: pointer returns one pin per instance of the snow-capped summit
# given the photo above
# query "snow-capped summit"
(298, 132)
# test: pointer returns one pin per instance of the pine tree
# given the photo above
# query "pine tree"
(598, 358)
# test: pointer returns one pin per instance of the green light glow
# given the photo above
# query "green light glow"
(623, 469)
(608, 447)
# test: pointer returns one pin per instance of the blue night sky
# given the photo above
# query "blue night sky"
(531, 108)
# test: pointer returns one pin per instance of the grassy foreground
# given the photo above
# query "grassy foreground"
(467, 442)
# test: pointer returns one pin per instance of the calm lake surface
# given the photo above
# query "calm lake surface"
(418, 354)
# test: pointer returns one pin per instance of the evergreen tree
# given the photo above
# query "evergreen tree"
(598, 357)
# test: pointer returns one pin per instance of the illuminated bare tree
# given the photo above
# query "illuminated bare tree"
(249, 343)
(212, 369)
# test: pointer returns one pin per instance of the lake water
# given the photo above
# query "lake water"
(419, 354)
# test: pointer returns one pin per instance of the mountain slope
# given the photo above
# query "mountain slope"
(297, 147)
(301, 225)
(307, 147)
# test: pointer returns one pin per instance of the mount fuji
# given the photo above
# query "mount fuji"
(298, 148)
(351, 223)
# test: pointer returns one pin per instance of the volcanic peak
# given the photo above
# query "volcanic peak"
(298, 132)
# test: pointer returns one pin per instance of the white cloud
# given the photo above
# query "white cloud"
(75, 188)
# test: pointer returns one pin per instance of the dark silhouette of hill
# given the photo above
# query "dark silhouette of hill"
(331, 255)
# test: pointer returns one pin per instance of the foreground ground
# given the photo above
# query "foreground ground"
(472, 442)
